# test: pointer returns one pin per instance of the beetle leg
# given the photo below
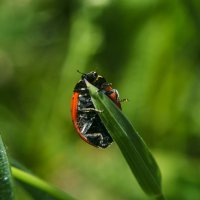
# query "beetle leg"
(98, 139)
(91, 110)
(104, 86)
(124, 100)
(95, 136)
(86, 126)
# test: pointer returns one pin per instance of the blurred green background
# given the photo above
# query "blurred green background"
(148, 50)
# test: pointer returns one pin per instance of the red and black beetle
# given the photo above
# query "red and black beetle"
(84, 115)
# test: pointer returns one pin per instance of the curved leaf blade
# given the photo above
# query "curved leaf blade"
(6, 183)
(38, 188)
(132, 146)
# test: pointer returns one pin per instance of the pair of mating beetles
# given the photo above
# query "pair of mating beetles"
(84, 115)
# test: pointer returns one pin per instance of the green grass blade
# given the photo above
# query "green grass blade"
(6, 184)
(132, 146)
(38, 188)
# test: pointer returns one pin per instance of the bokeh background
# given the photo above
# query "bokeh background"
(148, 50)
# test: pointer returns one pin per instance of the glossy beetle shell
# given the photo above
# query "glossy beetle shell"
(85, 117)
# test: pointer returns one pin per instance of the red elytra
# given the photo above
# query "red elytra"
(74, 112)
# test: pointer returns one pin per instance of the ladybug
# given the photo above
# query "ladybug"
(85, 117)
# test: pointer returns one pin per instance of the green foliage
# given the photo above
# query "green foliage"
(37, 188)
(149, 50)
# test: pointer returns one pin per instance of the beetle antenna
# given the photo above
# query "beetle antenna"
(80, 72)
